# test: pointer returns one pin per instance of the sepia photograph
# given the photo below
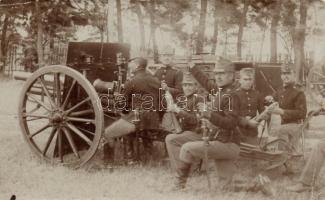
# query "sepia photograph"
(162, 99)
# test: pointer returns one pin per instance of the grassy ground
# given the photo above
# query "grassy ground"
(24, 175)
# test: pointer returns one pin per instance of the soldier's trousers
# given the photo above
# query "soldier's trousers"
(290, 133)
(188, 147)
(118, 128)
(314, 164)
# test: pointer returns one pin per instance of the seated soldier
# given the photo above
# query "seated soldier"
(187, 117)
(292, 108)
(251, 102)
(225, 148)
(140, 93)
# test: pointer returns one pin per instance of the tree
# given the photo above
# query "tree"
(275, 12)
(215, 27)
(201, 30)
(296, 23)
(136, 7)
(119, 21)
(241, 25)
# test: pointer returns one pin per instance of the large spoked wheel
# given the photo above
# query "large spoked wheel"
(61, 116)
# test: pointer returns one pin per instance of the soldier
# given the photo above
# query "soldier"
(251, 102)
(170, 77)
(187, 117)
(225, 148)
(292, 107)
(140, 93)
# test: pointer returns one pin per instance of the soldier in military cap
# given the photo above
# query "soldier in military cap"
(185, 111)
(292, 107)
(251, 103)
(171, 79)
(224, 149)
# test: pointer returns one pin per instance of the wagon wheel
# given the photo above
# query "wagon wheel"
(316, 84)
(67, 126)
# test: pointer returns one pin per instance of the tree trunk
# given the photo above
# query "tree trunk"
(141, 25)
(298, 38)
(39, 35)
(215, 28)
(3, 47)
(200, 38)
(153, 30)
(242, 23)
(299, 41)
(119, 21)
(273, 34)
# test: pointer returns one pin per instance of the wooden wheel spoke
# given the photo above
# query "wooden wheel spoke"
(35, 116)
(68, 94)
(77, 119)
(57, 88)
(79, 133)
(71, 142)
(82, 112)
(84, 130)
(49, 140)
(47, 93)
(60, 144)
(39, 130)
(77, 105)
(39, 102)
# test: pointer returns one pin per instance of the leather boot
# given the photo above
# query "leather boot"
(108, 154)
(183, 172)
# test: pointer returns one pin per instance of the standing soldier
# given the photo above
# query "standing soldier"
(141, 93)
(251, 102)
(171, 78)
(224, 149)
(292, 107)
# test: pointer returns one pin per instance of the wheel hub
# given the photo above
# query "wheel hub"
(56, 117)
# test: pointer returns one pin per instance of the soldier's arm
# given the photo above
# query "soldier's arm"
(178, 84)
(229, 118)
(202, 78)
(189, 117)
(260, 103)
(300, 109)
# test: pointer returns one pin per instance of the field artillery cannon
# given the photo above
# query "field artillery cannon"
(60, 112)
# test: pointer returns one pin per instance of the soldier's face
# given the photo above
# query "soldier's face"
(224, 78)
(288, 77)
(189, 88)
(246, 81)
(132, 66)
(166, 59)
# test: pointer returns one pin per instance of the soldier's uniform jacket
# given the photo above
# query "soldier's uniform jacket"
(142, 92)
(251, 102)
(293, 102)
(224, 118)
(188, 115)
(172, 77)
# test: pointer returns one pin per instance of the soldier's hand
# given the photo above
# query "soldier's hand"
(203, 109)
(173, 108)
